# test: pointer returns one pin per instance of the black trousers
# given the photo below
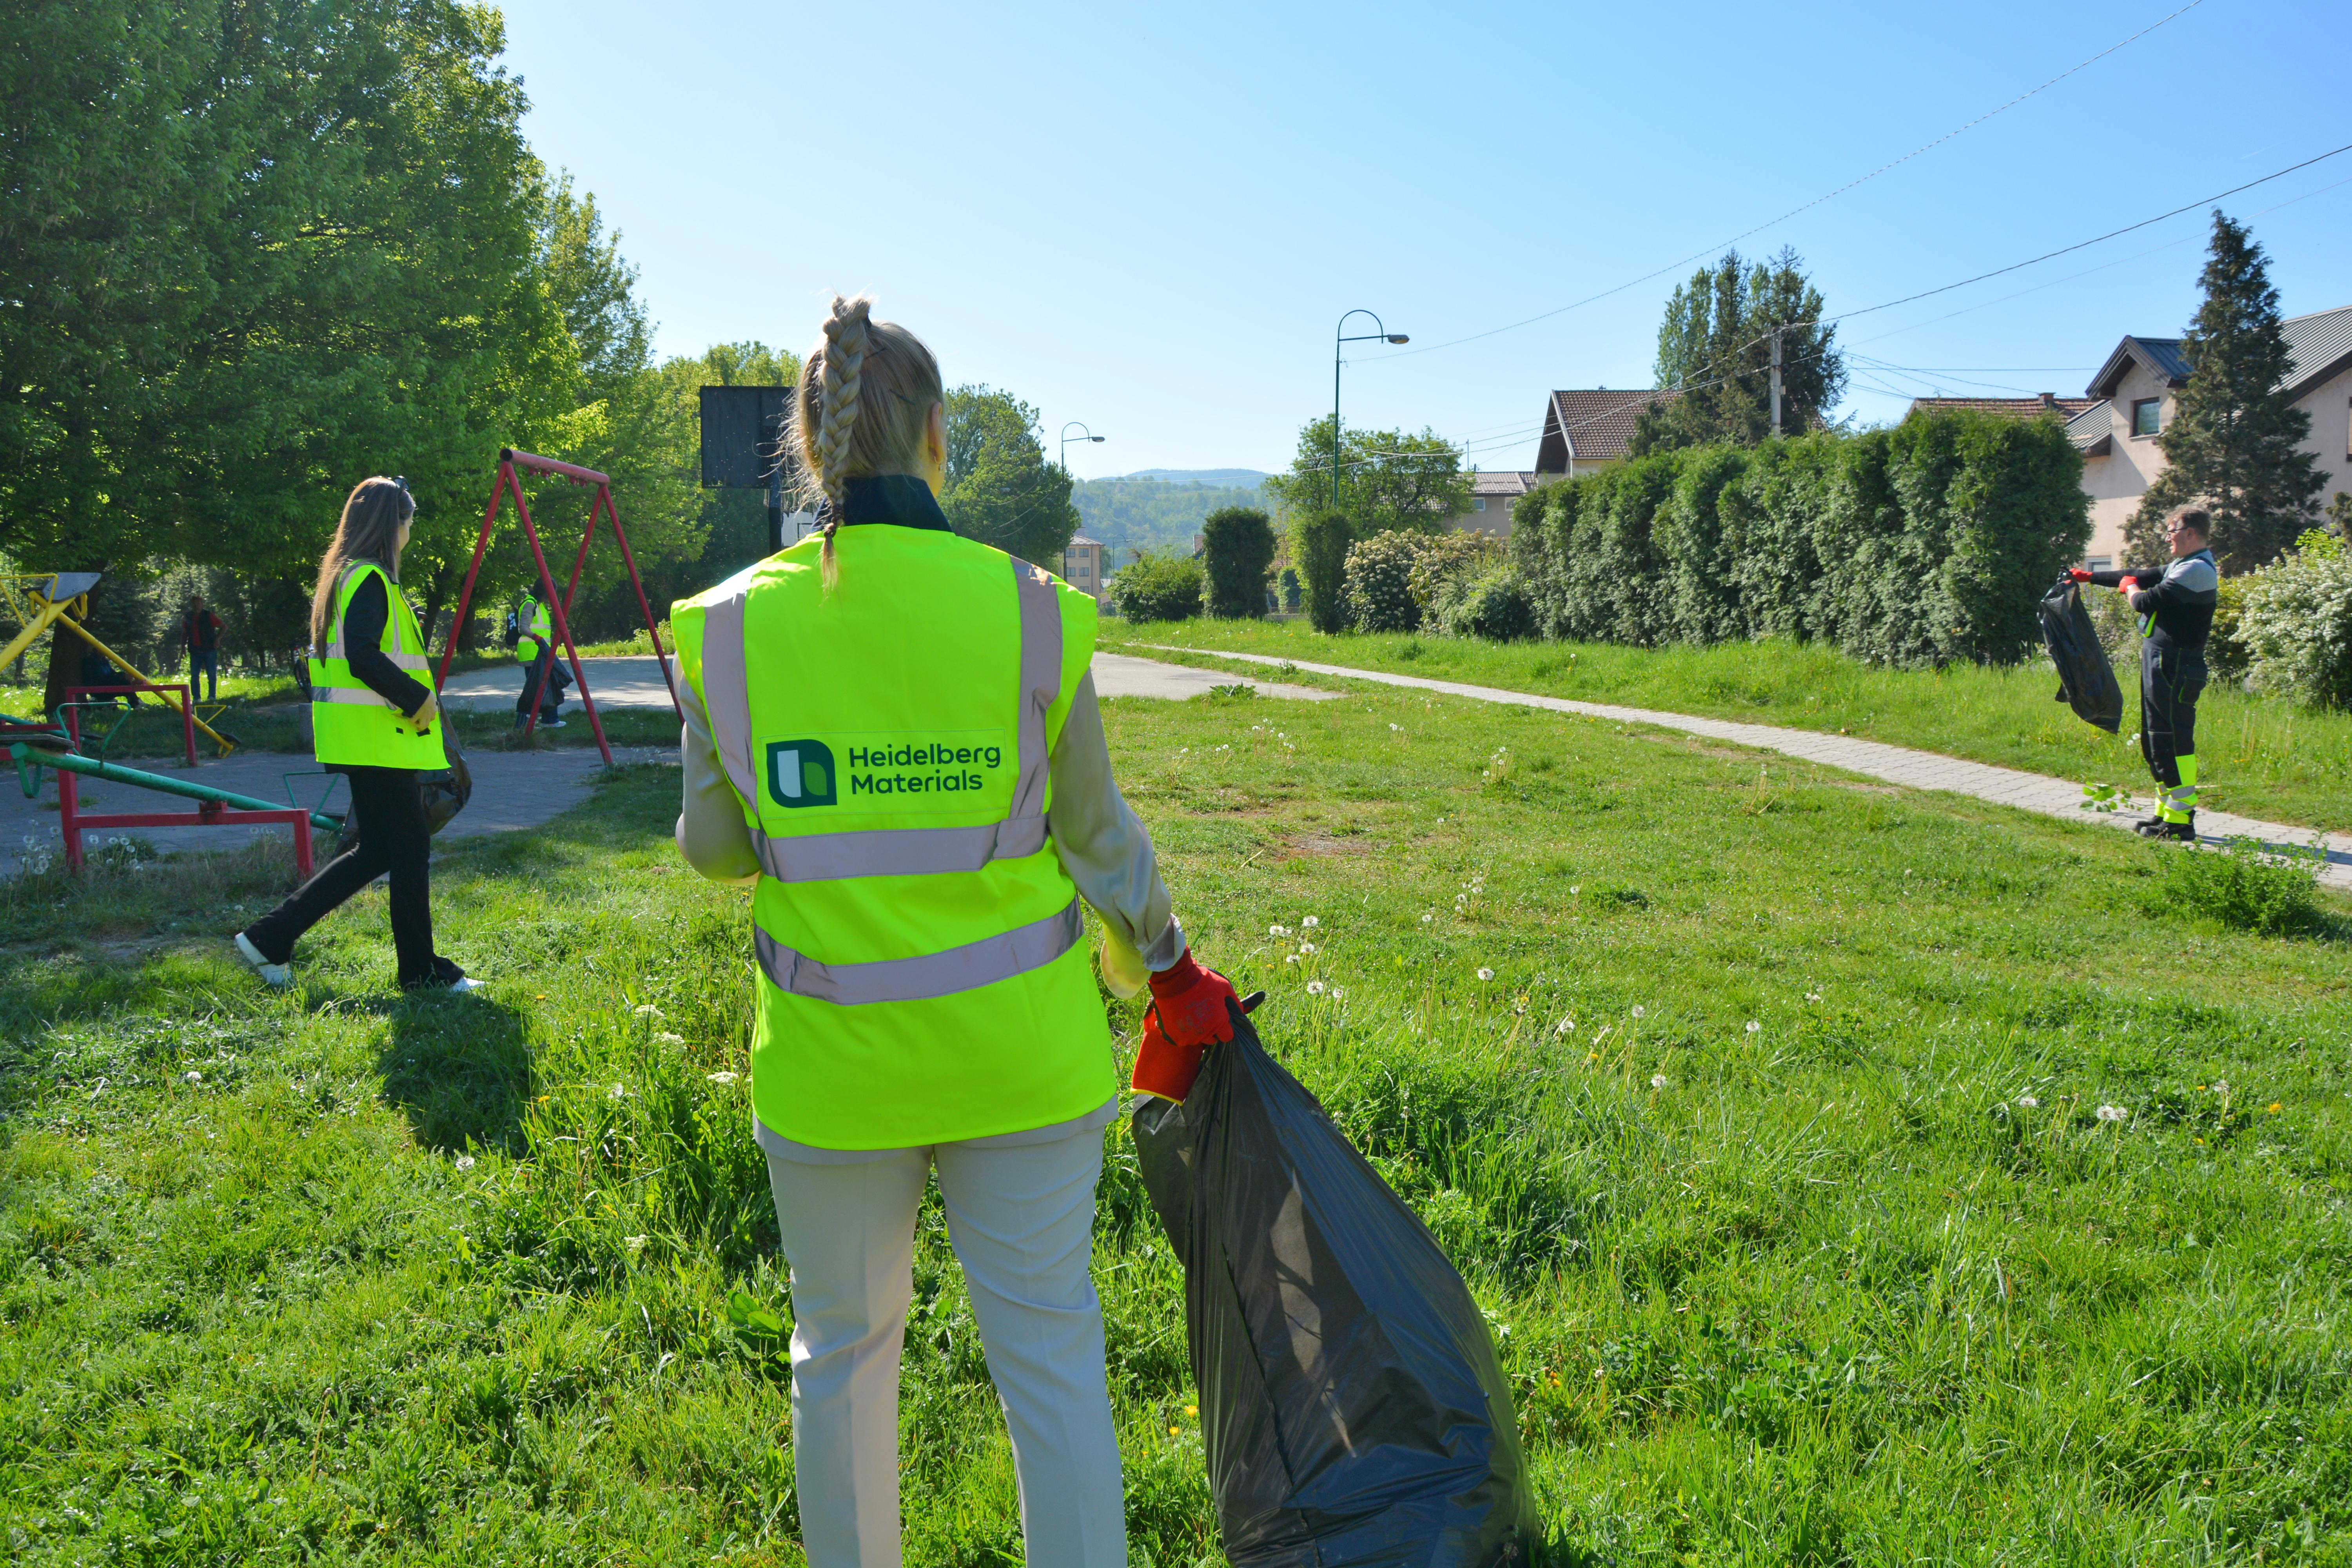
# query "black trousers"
(392, 838)
(2170, 681)
(557, 679)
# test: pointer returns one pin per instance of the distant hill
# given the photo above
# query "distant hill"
(1160, 508)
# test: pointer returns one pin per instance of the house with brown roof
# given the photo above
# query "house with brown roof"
(2135, 394)
(2007, 407)
(1491, 495)
(1587, 429)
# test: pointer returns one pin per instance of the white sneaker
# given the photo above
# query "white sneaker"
(464, 983)
(272, 974)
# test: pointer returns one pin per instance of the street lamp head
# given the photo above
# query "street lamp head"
(1398, 338)
(1098, 438)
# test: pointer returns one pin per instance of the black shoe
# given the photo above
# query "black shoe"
(2149, 827)
(445, 977)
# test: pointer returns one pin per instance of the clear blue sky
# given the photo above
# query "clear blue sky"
(1151, 218)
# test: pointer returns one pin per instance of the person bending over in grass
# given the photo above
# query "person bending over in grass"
(2175, 604)
(877, 721)
(371, 720)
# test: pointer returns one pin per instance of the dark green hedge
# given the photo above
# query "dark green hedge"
(1925, 543)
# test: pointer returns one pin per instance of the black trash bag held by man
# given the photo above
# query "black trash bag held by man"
(1351, 1402)
(2087, 681)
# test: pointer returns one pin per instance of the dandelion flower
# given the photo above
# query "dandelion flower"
(1314, 988)
(1812, 996)
(1289, 958)
(1306, 947)
(724, 1077)
(1337, 992)
(2111, 1113)
(1172, 1431)
(194, 1077)
(1277, 931)
(2275, 1107)
(667, 1039)
(2028, 1102)
(1753, 1026)
(1310, 921)
(1485, 974)
(1563, 1026)
(1574, 888)
(616, 1092)
(1427, 918)
(1637, 1012)
(465, 1161)
(1192, 1410)
(1657, 1080)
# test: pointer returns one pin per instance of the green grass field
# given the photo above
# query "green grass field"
(2261, 757)
(1761, 1107)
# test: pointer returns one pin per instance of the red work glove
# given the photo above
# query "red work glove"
(2129, 586)
(1187, 1016)
(2078, 575)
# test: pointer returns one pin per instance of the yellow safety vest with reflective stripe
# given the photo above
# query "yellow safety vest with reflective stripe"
(537, 638)
(921, 976)
(350, 723)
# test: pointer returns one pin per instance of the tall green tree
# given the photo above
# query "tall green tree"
(2234, 444)
(1237, 544)
(1319, 543)
(1001, 489)
(1387, 479)
(1715, 345)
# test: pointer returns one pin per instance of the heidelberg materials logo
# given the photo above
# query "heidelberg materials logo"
(800, 772)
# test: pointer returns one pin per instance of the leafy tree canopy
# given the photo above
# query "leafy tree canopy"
(2235, 441)
(1387, 479)
(1001, 489)
(1716, 346)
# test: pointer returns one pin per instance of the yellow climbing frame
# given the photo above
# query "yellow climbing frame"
(38, 601)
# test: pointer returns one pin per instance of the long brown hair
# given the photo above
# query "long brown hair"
(368, 531)
(864, 402)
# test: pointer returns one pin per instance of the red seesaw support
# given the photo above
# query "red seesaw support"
(73, 822)
(509, 461)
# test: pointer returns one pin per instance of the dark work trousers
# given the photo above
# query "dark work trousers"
(557, 679)
(392, 838)
(2170, 680)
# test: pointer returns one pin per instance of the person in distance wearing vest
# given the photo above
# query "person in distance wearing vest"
(371, 720)
(536, 650)
(891, 734)
(2176, 606)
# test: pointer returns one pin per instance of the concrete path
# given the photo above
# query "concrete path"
(512, 790)
(627, 682)
(1896, 764)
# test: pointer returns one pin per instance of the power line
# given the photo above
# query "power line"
(1715, 249)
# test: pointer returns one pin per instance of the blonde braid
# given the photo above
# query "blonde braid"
(846, 340)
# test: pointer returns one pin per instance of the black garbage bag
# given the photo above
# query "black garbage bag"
(1350, 1398)
(2087, 681)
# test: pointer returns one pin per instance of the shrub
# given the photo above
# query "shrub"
(1448, 561)
(1290, 588)
(1379, 582)
(1321, 544)
(2295, 623)
(2247, 887)
(1494, 606)
(1157, 587)
(1237, 546)
(1925, 543)
(2225, 655)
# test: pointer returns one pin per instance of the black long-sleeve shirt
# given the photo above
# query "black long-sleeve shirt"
(363, 622)
(2174, 601)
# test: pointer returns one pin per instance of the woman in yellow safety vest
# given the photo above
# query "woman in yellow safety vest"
(892, 736)
(371, 720)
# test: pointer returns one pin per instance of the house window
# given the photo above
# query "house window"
(2099, 563)
(1477, 503)
(2144, 415)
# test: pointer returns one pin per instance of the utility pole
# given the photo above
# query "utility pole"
(1776, 379)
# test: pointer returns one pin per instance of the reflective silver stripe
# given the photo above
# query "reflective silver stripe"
(931, 975)
(365, 698)
(894, 851)
(399, 660)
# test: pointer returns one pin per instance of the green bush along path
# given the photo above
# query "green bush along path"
(1846, 1178)
(2259, 756)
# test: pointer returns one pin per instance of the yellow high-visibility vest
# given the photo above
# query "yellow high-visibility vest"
(350, 723)
(922, 976)
(537, 638)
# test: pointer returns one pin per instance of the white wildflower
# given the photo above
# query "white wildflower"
(635, 1244)
(1812, 996)
(616, 1092)
(1289, 958)
(1574, 888)
(1637, 1012)
(1277, 931)
(1314, 988)
(2028, 1102)
(1563, 1026)
(2112, 1113)
(1337, 992)
(667, 1039)
(194, 1077)
(1306, 947)
(1310, 921)
(1657, 1080)
(1427, 918)
(723, 1076)
(1485, 974)
(465, 1161)
(1753, 1026)
(645, 1010)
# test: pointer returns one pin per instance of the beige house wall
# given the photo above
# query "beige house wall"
(2116, 482)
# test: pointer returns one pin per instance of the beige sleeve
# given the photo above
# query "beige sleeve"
(712, 833)
(1107, 853)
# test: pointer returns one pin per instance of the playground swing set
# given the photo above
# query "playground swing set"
(62, 599)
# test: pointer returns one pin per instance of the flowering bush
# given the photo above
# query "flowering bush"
(1158, 587)
(1379, 582)
(2295, 623)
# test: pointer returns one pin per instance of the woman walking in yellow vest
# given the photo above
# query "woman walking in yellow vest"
(892, 734)
(371, 718)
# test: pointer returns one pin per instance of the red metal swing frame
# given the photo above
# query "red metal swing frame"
(509, 461)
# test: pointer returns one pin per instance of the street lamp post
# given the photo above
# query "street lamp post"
(1336, 341)
(1068, 438)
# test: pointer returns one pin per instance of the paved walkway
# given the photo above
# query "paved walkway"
(1896, 764)
(636, 682)
(512, 790)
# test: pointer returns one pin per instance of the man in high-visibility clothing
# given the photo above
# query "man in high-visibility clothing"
(891, 733)
(536, 651)
(2175, 604)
